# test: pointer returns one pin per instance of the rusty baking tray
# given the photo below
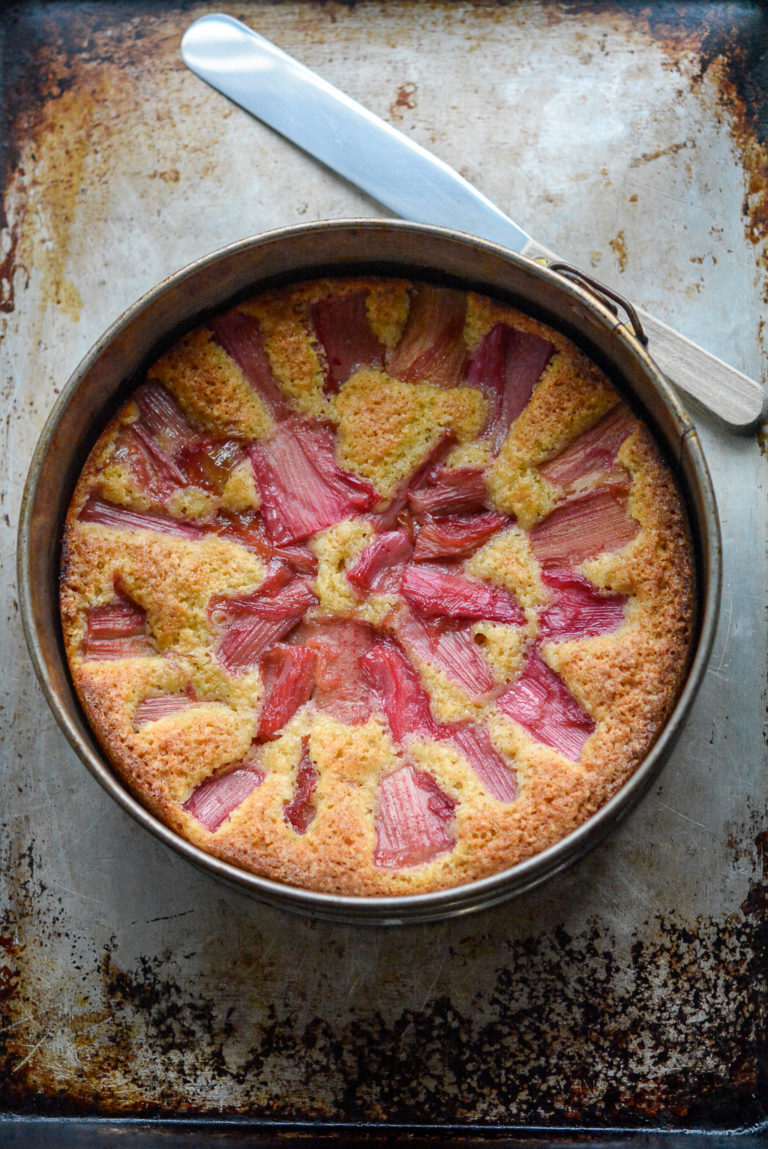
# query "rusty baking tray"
(626, 998)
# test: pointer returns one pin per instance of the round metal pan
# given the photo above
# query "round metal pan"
(116, 364)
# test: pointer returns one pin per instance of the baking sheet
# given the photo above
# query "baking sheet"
(627, 992)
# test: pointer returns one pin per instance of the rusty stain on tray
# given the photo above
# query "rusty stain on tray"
(666, 1065)
(673, 149)
(733, 58)
(59, 118)
(636, 1044)
(406, 99)
(618, 246)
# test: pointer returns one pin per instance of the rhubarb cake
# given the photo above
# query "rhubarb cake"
(376, 587)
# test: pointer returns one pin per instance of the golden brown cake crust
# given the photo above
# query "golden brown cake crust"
(149, 602)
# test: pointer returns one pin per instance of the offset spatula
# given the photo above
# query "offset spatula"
(413, 183)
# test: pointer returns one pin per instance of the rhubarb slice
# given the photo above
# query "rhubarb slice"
(439, 593)
(163, 705)
(402, 697)
(247, 529)
(243, 643)
(457, 537)
(277, 600)
(543, 705)
(449, 491)
(450, 648)
(379, 568)
(342, 328)
(164, 419)
(218, 797)
(165, 452)
(489, 765)
(116, 630)
(584, 526)
(244, 528)
(224, 608)
(260, 623)
(414, 820)
(341, 687)
(432, 346)
(153, 470)
(593, 454)
(578, 609)
(240, 336)
(277, 575)
(104, 514)
(397, 513)
(506, 367)
(209, 462)
(288, 673)
(300, 811)
(299, 557)
(303, 489)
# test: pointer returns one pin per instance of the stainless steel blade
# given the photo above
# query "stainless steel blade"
(415, 184)
(340, 132)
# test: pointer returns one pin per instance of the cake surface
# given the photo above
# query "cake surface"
(375, 587)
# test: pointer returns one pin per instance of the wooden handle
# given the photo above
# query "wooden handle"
(736, 400)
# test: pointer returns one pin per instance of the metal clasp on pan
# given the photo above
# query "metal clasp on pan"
(605, 295)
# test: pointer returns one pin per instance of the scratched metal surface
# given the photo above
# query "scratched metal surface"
(627, 991)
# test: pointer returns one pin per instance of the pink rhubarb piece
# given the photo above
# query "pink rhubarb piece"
(104, 514)
(341, 686)
(400, 692)
(163, 705)
(491, 768)
(259, 623)
(342, 327)
(583, 526)
(379, 568)
(229, 608)
(449, 491)
(116, 630)
(218, 797)
(414, 821)
(578, 609)
(593, 454)
(163, 419)
(506, 367)
(288, 673)
(431, 347)
(449, 647)
(397, 511)
(543, 705)
(152, 469)
(300, 811)
(438, 593)
(240, 336)
(457, 537)
(303, 489)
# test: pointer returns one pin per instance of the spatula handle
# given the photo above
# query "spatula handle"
(733, 397)
(740, 402)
